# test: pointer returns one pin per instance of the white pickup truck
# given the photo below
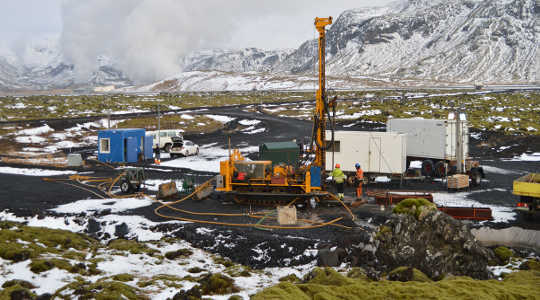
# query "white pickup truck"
(167, 138)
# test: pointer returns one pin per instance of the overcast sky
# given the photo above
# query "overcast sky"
(286, 25)
(146, 38)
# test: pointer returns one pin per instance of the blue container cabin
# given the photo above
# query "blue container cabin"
(123, 145)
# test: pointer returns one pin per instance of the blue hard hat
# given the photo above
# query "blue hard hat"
(357, 165)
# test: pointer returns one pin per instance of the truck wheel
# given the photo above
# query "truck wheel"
(427, 168)
(440, 169)
(167, 148)
(476, 177)
(125, 186)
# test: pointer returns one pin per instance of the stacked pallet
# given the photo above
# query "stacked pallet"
(458, 181)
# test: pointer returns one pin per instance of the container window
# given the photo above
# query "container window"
(333, 148)
(105, 145)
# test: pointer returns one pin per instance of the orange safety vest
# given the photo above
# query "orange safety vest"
(360, 174)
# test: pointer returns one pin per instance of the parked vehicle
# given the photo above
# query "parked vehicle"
(186, 148)
(166, 138)
(527, 187)
(378, 153)
(437, 145)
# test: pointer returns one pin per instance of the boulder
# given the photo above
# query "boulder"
(93, 226)
(121, 231)
(435, 244)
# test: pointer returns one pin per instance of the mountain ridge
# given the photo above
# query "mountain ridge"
(453, 41)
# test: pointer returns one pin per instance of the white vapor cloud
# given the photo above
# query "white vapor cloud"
(147, 38)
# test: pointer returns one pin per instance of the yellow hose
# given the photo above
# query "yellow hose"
(257, 215)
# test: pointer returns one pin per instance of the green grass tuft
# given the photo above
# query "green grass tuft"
(413, 206)
(100, 290)
(124, 277)
(42, 265)
(132, 246)
(182, 253)
(504, 254)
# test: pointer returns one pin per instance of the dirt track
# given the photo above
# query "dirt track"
(28, 195)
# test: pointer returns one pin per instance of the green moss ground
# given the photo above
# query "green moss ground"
(99, 290)
(511, 113)
(504, 254)
(132, 246)
(39, 240)
(198, 124)
(332, 285)
(413, 206)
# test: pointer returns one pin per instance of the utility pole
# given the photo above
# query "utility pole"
(159, 134)
(109, 114)
(459, 144)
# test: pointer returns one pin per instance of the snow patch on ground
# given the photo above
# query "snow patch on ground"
(357, 115)
(500, 213)
(207, 160)
(36, 131)
(139, 227)
(255, 131)
(30, 139)
(528, 157)
(490, 169)
(246, 122)
(96, 205)
(220, 118)
(33, 172)
(140, 265)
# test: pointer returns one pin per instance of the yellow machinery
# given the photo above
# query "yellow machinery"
(527, 187)
(261, 183)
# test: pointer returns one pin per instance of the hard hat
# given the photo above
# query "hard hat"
(357, 165)
(338, 166)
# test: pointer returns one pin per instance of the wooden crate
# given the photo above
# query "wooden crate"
(286, 215)
(458, 181)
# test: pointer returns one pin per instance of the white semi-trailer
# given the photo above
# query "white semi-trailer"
(439, 144)
(378, 153)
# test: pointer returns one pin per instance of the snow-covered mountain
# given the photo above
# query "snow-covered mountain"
(442, 40)
(243, 60)
(432, 40)
(40, 65)
(421, 41)
(415, 41)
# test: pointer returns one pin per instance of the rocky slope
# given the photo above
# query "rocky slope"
(456, 41)
(415, 41)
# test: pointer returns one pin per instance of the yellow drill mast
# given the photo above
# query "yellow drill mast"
(321, 102)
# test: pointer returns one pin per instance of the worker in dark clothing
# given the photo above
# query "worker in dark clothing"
(359, 180)
(157, 159)
(339, 179)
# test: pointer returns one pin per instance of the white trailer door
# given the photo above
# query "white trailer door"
(375, 154)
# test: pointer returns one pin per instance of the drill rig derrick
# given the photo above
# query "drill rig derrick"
(321, 106)
(260, 182)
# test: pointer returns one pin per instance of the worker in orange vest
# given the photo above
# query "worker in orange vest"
(359, 180)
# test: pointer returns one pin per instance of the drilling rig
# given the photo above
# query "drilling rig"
(259, 182)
